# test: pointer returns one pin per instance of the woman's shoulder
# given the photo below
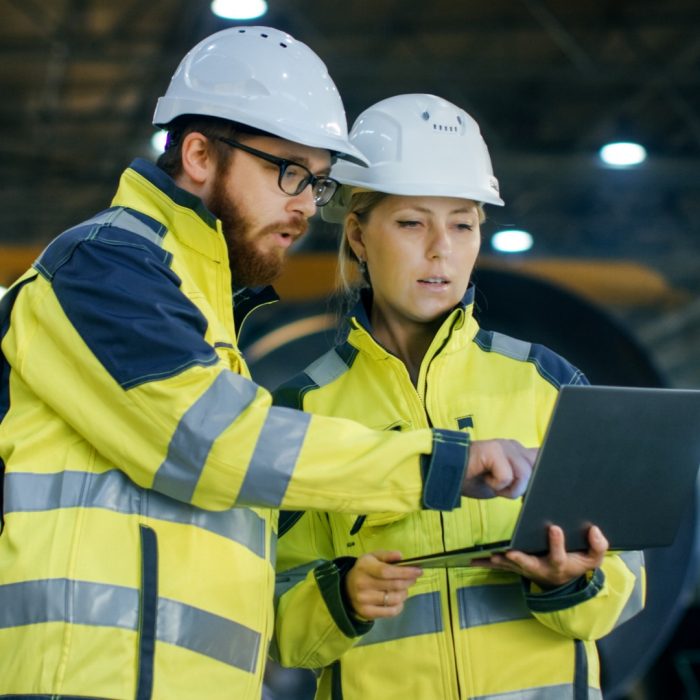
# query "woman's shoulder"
(323, 371)
(551, 366)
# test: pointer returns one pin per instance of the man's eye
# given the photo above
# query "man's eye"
(294, 172)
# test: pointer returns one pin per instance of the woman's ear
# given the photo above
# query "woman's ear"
(355, 236)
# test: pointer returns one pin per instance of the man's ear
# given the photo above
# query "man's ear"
(355, 236)
(198, 161)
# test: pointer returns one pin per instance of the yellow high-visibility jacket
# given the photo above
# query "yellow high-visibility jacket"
(464, 632)
(143, 468)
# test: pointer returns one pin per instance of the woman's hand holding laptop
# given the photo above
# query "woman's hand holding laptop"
(556, 568)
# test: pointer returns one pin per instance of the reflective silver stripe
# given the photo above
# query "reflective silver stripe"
(327, 368)
(104, 217)
(128, 221)
(289, 578)
(102, 605)
(546, 692)
(421, 615)
(63, 600)
(123, 219)
(114, 491)
(635, 563)
(274, 458)
(198, 429)
(212, 635)
(487, 605)
(510, 347)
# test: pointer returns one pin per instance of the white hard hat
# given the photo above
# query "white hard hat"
(417, 145)
(263, 78)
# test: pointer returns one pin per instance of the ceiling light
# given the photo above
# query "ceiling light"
(239, 9)
(511, 241)
(623, 154)
(158, 141)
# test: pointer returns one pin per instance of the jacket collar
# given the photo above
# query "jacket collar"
(248, 299)
(456, 331)
(145, 187)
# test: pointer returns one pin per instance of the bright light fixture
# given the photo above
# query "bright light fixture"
(623, 154)
(158, 141)
(2, 290)
(239, 9)
(511, 241)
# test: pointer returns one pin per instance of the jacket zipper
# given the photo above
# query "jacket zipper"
(444, 549)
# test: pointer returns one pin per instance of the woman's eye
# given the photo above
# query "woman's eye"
(465, 227)
(408, 223)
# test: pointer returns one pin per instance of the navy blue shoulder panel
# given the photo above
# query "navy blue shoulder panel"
(322, 371)
(116, 287)
(553, 367)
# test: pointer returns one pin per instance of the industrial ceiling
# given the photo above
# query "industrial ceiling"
(549, 81)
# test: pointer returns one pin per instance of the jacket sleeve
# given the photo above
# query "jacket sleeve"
(106, 339)
(312, 625)
(594, 605)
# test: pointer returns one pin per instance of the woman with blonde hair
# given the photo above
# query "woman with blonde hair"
(516, 625)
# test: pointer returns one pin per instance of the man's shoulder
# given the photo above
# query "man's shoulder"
(116, 226)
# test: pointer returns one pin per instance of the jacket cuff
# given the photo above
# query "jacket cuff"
(570, 594)
(330, 579)
(443, 470)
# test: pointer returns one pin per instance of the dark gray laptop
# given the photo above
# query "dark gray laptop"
(625, 459)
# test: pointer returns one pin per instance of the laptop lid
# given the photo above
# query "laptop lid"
(623, 458)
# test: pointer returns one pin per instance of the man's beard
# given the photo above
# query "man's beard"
(250, 267)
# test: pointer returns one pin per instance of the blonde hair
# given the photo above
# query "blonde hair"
(362, 203)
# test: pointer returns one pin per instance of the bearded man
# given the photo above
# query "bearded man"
(143, 469)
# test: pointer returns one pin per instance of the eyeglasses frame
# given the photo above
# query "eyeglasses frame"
(283, 164)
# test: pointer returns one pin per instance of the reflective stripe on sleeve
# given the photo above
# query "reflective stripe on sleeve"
(275, 457)
(114, 491)
(289, 578)
(219, 406)
(421, 615)
(635, 563)
(102, 605)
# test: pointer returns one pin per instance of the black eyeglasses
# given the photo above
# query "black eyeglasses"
(293, 177)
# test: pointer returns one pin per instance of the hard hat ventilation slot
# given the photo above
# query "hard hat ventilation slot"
(444, 127)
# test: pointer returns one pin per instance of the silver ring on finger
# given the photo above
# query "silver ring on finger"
(386, 598)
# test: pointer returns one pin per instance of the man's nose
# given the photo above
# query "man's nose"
(304, 202)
